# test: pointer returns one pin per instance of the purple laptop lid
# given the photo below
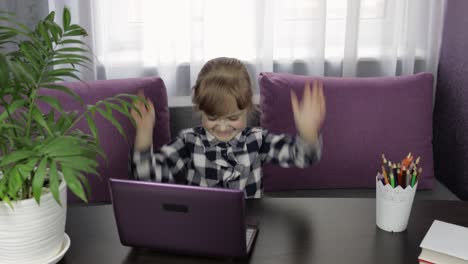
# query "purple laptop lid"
(180, 218)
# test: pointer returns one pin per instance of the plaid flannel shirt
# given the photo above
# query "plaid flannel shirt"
(197, 158)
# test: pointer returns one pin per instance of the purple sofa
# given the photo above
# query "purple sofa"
(365, 118)
(114, 145)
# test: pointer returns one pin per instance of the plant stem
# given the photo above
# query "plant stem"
(24, 195)
(79, 118)
(36, 88)
(9, 115)
(31, 105)
(76, 121)
(29, 185)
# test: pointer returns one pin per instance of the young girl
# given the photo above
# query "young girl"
(223, 152)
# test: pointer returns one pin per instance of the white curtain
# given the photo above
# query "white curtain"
(25, 12)
(81, 13)
(174, 38)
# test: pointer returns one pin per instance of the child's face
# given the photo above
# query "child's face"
(226, 127)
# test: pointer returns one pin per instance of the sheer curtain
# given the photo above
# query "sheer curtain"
(26, 12)
(173, 39)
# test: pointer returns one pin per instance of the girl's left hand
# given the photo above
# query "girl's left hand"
(310, 113)
(144, 122)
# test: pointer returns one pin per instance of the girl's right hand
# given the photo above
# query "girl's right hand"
(144, 123)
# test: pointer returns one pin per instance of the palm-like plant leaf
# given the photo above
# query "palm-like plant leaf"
(35, 143)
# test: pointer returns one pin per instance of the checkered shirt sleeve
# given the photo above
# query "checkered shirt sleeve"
(289, 151)
(165, 165)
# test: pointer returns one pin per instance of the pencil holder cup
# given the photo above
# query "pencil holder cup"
(393, 206)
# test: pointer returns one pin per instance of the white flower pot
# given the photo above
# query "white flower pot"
(32, 233)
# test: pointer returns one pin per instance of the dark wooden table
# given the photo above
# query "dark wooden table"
(292, 230)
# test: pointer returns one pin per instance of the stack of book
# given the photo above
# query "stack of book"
(445, 243)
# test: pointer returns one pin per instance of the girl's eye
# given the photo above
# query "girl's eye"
(211, 118)
(234, 118)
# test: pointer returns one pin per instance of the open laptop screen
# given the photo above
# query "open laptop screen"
(180, 218)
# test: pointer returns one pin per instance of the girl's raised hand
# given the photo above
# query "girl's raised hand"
(310, 113)
(144, 122)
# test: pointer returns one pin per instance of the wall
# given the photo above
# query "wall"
(451, 102)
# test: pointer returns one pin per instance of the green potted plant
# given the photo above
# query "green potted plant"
(42, 153)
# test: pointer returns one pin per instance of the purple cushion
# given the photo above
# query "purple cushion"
(365, 118)
(114, 145)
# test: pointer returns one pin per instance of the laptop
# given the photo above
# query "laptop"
(182, 219)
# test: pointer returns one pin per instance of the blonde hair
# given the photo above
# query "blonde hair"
(221, 82)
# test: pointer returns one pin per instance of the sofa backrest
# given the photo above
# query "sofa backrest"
(365, 118)
(114, 145)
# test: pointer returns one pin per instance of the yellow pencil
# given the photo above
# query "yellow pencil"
(384, 173)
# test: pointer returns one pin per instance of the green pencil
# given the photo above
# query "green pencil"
(413, 179)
